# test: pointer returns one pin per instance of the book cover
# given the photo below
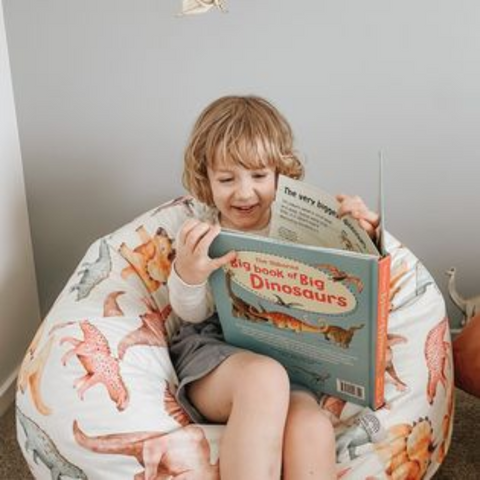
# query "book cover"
(320, 311)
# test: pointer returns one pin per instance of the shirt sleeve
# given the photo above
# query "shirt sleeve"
(192, 303)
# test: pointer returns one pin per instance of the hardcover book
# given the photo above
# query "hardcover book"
(313, 295)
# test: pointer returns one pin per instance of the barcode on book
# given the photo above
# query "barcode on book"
(351, 389)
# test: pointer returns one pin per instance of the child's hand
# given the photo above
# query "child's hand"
(356, 207)
(192, 263)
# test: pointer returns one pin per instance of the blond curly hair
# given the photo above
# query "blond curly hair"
(246, 130)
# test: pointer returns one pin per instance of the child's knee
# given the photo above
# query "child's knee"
(306, 420)
(265, 378)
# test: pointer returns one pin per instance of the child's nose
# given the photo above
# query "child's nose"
(245, 189)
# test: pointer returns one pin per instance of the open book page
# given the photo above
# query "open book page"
(304, 214)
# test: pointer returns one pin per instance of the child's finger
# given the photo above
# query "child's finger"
(225, 260)
(372, 218)
(186, 228)
(368, 227)
(206, 240)
(196, 235)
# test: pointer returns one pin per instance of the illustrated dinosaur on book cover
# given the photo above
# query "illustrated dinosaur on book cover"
(240, 308)
(284, 321)
(337, 275)
(339, 336)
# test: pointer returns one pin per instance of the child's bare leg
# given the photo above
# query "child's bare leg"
(309, 443)
(251, 394)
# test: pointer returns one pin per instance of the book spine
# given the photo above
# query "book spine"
(383, 306)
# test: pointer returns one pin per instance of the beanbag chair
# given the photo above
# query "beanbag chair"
(96, 390)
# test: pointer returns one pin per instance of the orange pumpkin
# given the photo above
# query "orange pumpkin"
(466, 355)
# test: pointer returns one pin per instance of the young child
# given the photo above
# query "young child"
(238, 147)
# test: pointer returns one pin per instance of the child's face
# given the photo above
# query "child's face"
(243, 197)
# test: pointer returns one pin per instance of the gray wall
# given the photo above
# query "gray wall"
(106, 92)
(19, 309)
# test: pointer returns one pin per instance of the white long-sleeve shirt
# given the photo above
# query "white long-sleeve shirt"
(192, 303)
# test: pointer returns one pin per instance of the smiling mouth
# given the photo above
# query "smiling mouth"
(245, 210)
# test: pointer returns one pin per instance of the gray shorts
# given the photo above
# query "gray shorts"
(196, 349)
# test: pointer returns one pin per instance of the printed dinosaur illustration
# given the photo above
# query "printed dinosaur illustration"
(173, 408)
(151, 260)
(194, 7)
(437, 358)
(152, 332)
(280, 301)
(392, 340)
(240, 308)
(94, 354)
(395, 280)
(421, 280)
(447, 425)
(93, 273)
(110, 305)
(182, 455)
(468, 306)
(337, 335)
(333, 406)
(337, 275)
(43, 448)
(185, 201)
(407, 450)
(284, 321)
(31, 371)
(367, 429)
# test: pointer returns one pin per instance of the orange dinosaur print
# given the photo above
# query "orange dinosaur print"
(395, 281)
(94, 354)
(392, 340)
(110, 305)
(31, 371)
(437, 357)
(151, 260)
(173, 408)
(240, 308)
(284, 321)
(337, 275)
(152, 331)
(447, 425)
(182, 455)
(334, 407)
(407, 450)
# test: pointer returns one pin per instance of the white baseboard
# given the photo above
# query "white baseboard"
(7, 391)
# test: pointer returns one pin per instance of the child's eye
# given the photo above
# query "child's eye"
(225, 180)
(259, 175)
